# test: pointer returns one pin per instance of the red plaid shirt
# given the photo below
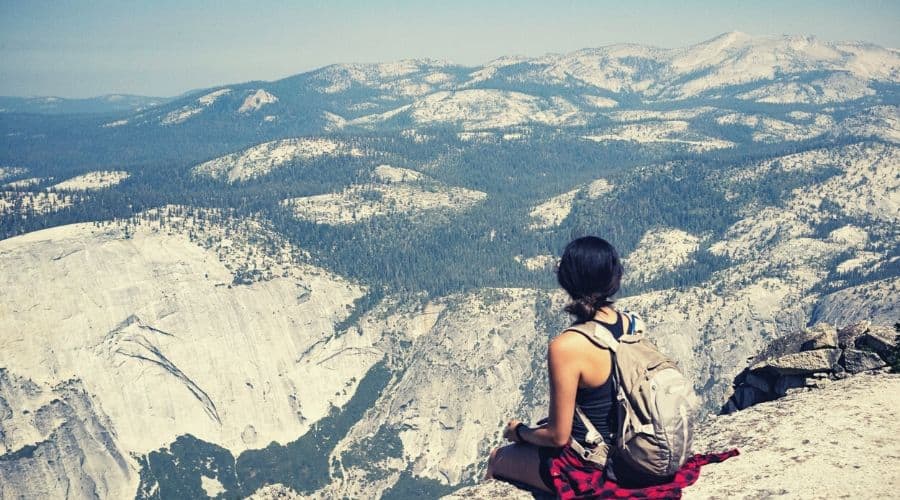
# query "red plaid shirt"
(575, 479)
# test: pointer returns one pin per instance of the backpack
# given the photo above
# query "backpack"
(654, 403)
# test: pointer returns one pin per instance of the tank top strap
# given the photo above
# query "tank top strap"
(617, 329)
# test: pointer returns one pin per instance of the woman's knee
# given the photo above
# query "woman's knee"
(507, 459)
(489, 473)
(516, 462)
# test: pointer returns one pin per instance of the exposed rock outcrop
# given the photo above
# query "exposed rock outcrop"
(55, 443)
(839, 441)
(493, 489)
(875, 301)
(811, 358)
(152, 326)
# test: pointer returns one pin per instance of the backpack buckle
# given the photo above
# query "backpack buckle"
(595, 455)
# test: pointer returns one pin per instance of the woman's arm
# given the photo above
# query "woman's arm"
(563, 363)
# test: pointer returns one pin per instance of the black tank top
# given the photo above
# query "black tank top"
(598, 403)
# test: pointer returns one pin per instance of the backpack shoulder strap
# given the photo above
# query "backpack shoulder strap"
(597, 334)
(635, 323)
(593, 436)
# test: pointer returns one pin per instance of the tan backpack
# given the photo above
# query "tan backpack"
(654, 402)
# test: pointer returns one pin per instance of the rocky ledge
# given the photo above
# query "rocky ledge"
(812, 358)
(841, 440)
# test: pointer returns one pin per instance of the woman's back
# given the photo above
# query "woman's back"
(598, 401)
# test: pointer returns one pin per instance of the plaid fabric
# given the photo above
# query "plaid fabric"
(575, 479)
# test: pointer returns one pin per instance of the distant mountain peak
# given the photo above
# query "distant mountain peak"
(731, 37)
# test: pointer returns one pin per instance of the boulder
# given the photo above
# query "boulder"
(730, 407)
(820, 336)
(855, 361)
(801, 363)
(847, 335)
(819, 382)
(841, 374)
(880, 339)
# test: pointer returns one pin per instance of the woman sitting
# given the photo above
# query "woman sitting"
(590, 272)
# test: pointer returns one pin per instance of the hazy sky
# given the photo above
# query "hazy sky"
(165, 47)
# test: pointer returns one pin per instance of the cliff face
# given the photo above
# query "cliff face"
(160, 334)
(55, 443)
(840, 441)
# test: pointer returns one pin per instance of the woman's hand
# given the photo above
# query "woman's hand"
(510, 432)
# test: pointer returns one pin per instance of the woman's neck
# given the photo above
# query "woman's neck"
(606, 314)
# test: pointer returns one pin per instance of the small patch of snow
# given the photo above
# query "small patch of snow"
(182, 114)
(479, 109)
(835, 88)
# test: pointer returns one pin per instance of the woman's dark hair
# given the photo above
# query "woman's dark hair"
(590, 271)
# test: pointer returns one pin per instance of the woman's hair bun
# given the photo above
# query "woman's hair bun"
(590, 272)
(584, 308)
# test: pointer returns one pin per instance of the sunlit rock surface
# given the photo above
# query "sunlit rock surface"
(833, 442)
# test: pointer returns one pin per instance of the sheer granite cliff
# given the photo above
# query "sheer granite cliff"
(55, 443)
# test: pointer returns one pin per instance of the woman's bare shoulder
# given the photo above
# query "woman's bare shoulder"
(568, 340)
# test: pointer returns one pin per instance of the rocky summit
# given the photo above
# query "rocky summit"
(821, 438)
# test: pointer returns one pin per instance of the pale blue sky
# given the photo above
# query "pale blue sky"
(165, 47)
